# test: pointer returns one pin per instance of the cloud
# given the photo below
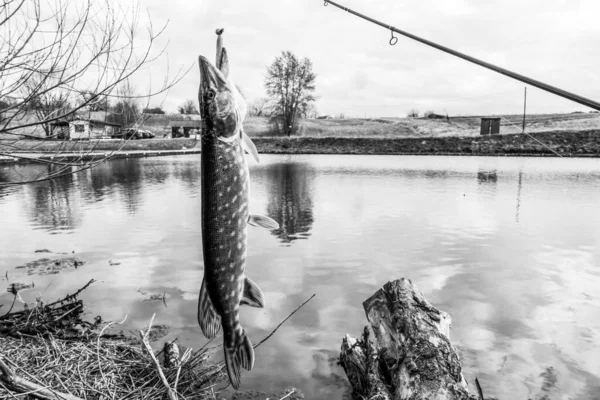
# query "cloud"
(361, 80)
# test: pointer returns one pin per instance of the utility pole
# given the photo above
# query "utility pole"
(524, 108)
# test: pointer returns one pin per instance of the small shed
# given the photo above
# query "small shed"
(59, 130)
(85, 129)
(490, 125)
(182, 128)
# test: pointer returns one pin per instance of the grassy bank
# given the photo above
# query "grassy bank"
(585, 143)
(52, 146)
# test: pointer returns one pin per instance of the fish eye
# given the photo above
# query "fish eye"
(211, 94)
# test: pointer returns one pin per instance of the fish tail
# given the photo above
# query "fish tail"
(241, 354)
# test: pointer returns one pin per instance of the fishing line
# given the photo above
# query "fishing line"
(539, 141)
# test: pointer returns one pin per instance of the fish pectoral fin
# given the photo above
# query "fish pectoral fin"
(208, 318)
(252, 295)
(262, 221)
(249, 146)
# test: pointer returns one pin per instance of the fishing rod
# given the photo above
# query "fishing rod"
(540, 85)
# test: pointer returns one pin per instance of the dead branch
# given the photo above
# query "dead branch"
(144, 336)
(21, 385)
(282, 322)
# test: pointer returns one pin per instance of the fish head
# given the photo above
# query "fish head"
(222, 107)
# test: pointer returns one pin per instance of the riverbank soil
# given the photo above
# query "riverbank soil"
(579, 144)
(86, 146)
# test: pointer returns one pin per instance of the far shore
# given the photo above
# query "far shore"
(575, 134)
(541, 144)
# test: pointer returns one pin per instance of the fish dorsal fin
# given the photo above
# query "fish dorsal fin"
(252, 296)
(249, 146)
(262, 221)
(209, 320)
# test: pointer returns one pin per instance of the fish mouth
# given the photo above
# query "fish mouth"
(210, 76)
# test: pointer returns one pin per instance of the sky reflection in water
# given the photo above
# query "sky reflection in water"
(508, 246)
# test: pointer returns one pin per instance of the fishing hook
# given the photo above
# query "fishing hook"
(394, 39)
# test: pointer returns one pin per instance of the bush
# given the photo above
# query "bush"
(414, 113)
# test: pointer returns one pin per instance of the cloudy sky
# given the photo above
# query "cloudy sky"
(360, 74)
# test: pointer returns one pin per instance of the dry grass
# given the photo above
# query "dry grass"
(350, 127)
(470, 126)
(49, 348)
(102, 368)
(424, 127)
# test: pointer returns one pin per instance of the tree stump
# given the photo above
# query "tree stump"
(412, 358)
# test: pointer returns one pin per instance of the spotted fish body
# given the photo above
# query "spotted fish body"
(225, 215)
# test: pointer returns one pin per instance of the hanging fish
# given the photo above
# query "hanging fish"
(225, 214)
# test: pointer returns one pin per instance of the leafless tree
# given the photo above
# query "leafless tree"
(95, 102)
(188, 107)
(48, 103)
(414, 113)
(310, 111)
(59, 52)
(260, 107)
(127, 109)
(290, 82)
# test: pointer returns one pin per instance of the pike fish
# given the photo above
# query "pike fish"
(225, 214)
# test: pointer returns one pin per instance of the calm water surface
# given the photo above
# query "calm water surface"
(510, 247)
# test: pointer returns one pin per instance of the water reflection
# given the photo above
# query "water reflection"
(4, 178)
(487, 177)
(51, 203)
(124, 175)
(188, 174)
(520, 184)
(290, 200)
(523, 296)
(56, 204)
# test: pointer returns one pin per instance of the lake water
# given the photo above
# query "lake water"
(510, 247)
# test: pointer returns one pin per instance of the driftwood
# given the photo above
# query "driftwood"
(413, 358)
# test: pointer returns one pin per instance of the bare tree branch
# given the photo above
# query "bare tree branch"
(60, 57)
